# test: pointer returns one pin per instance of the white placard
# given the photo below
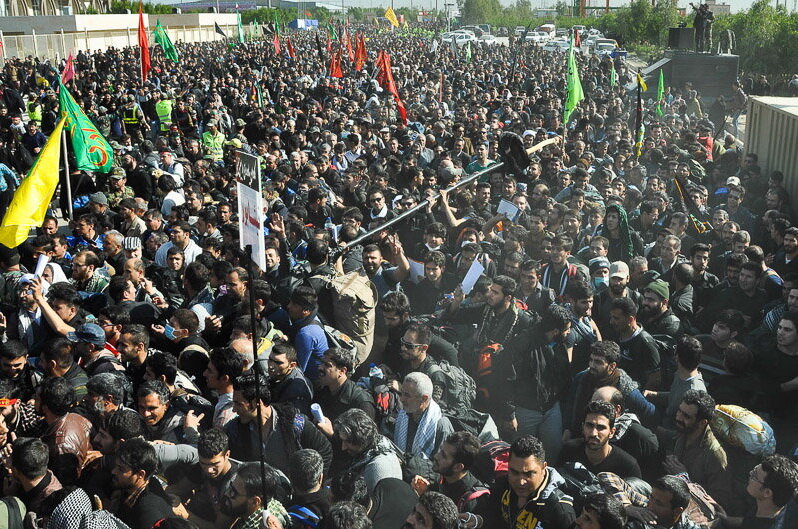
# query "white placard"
(40, 264)
(471, 277)
(416, 271)
(250, 208)
(509, 209)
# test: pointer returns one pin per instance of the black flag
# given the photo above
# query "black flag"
(318, 46)
(219, 30)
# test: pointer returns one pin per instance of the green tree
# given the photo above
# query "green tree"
(480, 11)
(356, 13)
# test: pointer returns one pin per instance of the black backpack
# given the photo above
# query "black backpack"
(579, 483)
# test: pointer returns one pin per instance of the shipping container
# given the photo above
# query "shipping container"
(771, 132)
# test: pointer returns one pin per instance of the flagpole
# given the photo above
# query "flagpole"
(66, 170)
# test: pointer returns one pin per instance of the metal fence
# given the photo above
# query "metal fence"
(55, 46)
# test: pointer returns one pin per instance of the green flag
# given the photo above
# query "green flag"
(163, 40)
(468, 51)
(613, 76)
(660, 93)
(575, 93)
(331, 32)
(240, 29)
(276, 24)
(92, 151)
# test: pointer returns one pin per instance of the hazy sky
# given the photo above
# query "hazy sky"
(736, 4)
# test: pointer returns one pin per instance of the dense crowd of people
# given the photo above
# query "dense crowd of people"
(626, 357)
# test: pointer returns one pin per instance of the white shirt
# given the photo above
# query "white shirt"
(190, 252)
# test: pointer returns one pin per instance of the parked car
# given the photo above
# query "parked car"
(490, 40)
(519, 30)
(462, 38)
(538, 37)
(557, 46)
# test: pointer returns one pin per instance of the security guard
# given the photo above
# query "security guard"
(34, 108)
(213, 141)
(163, 107)
(133, 118)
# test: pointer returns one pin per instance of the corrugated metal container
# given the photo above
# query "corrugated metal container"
(771, 132)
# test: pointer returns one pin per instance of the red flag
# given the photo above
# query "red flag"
(401, 108)
(385, 78)
(335, 65)
(276, 44)
(144, 47)
(69, 69)
(577, 38)
(349, 49)
(360, 52)
(381, 79)
(291, 50)
(329, 44)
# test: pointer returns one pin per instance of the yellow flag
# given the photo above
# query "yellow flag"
(32, 197)
(391, 16)
(641, 82)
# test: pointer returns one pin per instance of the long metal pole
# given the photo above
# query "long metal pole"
(424, 203)
(66, 171)
(253, 329)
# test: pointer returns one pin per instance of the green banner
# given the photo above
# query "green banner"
(92, 151)
(163, 40)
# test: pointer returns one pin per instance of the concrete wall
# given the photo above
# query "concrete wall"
(82, 23)
(99, 32)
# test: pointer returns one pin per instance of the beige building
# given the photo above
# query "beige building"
(19, 8)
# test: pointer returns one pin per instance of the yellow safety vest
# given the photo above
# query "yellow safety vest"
(164, 110)
(35, 111)
(213, 145)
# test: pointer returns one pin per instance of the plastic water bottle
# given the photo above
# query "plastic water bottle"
(330, 226)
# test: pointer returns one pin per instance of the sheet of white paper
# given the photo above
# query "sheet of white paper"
(509, 209)
(40, 264)
(471, 277)
(416, 271)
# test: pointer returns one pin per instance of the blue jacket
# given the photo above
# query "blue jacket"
(310, 343)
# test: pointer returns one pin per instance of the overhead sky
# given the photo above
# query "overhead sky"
(736, 5)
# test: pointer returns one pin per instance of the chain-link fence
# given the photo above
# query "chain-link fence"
(55, 46)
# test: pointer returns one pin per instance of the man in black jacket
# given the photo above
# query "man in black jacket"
(310, 502)
(284, 429)
(286, 381)
(530, 495)
(337, 392)
(396, 313)
(534, 377)
(453, 461)
(142, 502)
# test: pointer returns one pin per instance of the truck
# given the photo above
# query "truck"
(771, 130)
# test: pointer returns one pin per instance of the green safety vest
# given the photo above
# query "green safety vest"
(214, 145)
(164, 110)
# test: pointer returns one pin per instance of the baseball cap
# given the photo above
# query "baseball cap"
(660, 288)
(598, 262)
(619, 269)
(88, 333)
(99, 198)
(235, 142)
(733, 181)
(118, 173)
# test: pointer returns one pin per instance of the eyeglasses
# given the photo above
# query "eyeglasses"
(409, 345)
